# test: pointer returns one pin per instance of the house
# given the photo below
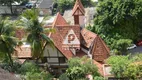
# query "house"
(72, 41)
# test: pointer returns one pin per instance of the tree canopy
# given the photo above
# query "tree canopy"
(126, 66)
(36, 33)
(118, 19)
(7, 41)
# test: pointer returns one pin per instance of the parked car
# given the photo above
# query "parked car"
(131, 46)
(29, 5)
(139, 43)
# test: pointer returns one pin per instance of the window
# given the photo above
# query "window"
(44, 60)
(62, 60)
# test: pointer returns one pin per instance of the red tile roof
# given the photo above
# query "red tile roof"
(99, 50)
(59, 35)
(59, 20)
(22, 52)
(81, 53)
(61, 27)
(100, 67)
(78, 7)
(88, 37)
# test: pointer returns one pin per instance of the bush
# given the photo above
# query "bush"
(14, 68)
(98, 78)
(63, 77)
(133, 70)
(118, 65)
(32, 72)
(75, 73)
(38, 76)
(80, 67)
(28, 67)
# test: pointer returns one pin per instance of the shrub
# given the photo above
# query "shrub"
(75, 73)
(28, 67)
(32, 72)
(98, 78)
(133, 70)
(38, 76)
(63, 77)
(118, 64)
(79, 67)
(14, 68)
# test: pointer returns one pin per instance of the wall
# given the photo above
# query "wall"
(52, 52)
(4, 9)
(82, 21)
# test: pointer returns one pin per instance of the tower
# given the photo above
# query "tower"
(79, 14)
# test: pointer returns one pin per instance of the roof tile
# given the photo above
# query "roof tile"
(78, 6)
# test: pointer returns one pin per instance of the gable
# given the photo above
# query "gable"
(100, 51)
(78, 5)
(59, 20)
(78, 11)
(71, 38)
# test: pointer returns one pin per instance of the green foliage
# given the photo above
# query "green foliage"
(38, 76)
(36, 33)
(121, 45)
(134, 70)
(117, 20)
(28, 67)
(64, 4)
(14, 68)
(98, 78)
(74, 62)
(118, 65)
(126, 66)
(137, 57)
(7, 41)
(80, 67)
(30, 71)
(63, 77)
(75, 73)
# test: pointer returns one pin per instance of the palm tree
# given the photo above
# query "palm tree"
(36, 33)
(7, 41)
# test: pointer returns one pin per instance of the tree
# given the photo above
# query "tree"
(7, 41)
(133, 70)
(36, 33)
(121, 46)
(80, 67)
(119, 19)
(118, 65)
(126, 66)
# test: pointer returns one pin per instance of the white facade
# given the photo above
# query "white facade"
(53, 55)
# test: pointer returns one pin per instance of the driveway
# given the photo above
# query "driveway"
(136, 50)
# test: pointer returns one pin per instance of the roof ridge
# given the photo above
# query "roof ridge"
(104, 44)
(59, 20)
(78, 4)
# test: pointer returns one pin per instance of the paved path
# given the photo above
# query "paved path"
(136, 50)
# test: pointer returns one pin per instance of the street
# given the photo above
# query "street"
(136, 50)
